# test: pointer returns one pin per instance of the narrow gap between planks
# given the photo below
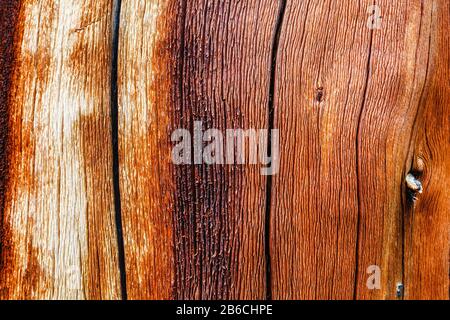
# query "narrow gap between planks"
(271, 120)
(115, 145)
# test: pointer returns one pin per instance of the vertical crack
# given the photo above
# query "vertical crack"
(358, 169)
(271, 120)
(115, 145)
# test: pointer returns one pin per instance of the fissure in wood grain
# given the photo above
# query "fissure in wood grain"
(117, 6)
(271, 117)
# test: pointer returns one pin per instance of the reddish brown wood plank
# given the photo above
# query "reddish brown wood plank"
(10, 28)
(427, 219)
(346, 101)
(58, 230)
(400, 64)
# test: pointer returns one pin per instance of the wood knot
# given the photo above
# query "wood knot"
(400, 290)
(420, 165)
(414, 186)
(319, 94)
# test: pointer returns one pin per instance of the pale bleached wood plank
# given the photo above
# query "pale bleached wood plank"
(58, 218)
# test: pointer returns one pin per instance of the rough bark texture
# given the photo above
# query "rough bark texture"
(92, 206)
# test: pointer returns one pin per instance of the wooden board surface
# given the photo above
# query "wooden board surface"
(144, 88)
(58, 226)
(427, 219)
(348, 99)
(200, 228)
(93, 206)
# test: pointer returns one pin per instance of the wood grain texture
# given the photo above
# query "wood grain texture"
(10, 28)
(320, 80)
(400, 64)
(427, 229)
(220, 210)
(346, 104)
(145, 87)
(93, 207)
(186, 61)
(59, 237)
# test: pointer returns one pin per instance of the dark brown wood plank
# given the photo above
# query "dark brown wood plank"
(187, 61)
(220, 210)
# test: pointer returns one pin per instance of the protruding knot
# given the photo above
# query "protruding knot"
(413, 183)
(414, 186)
(420, 164)
(400, 289)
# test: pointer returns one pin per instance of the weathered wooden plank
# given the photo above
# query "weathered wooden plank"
(225, 81)
(58, 230)
(400, 66)
(320, 79)
(427, 218)
(358, 111)
(346, 102)
(145, 88)
(181, 62)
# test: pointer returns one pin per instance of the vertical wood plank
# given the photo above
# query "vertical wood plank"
(10, 29)
(58, 226)
(399, 68)
(181, 62)
(220, 235)
(427, 218)
(320, 79)
(346, 102)
(358, 110)
(145, 87)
